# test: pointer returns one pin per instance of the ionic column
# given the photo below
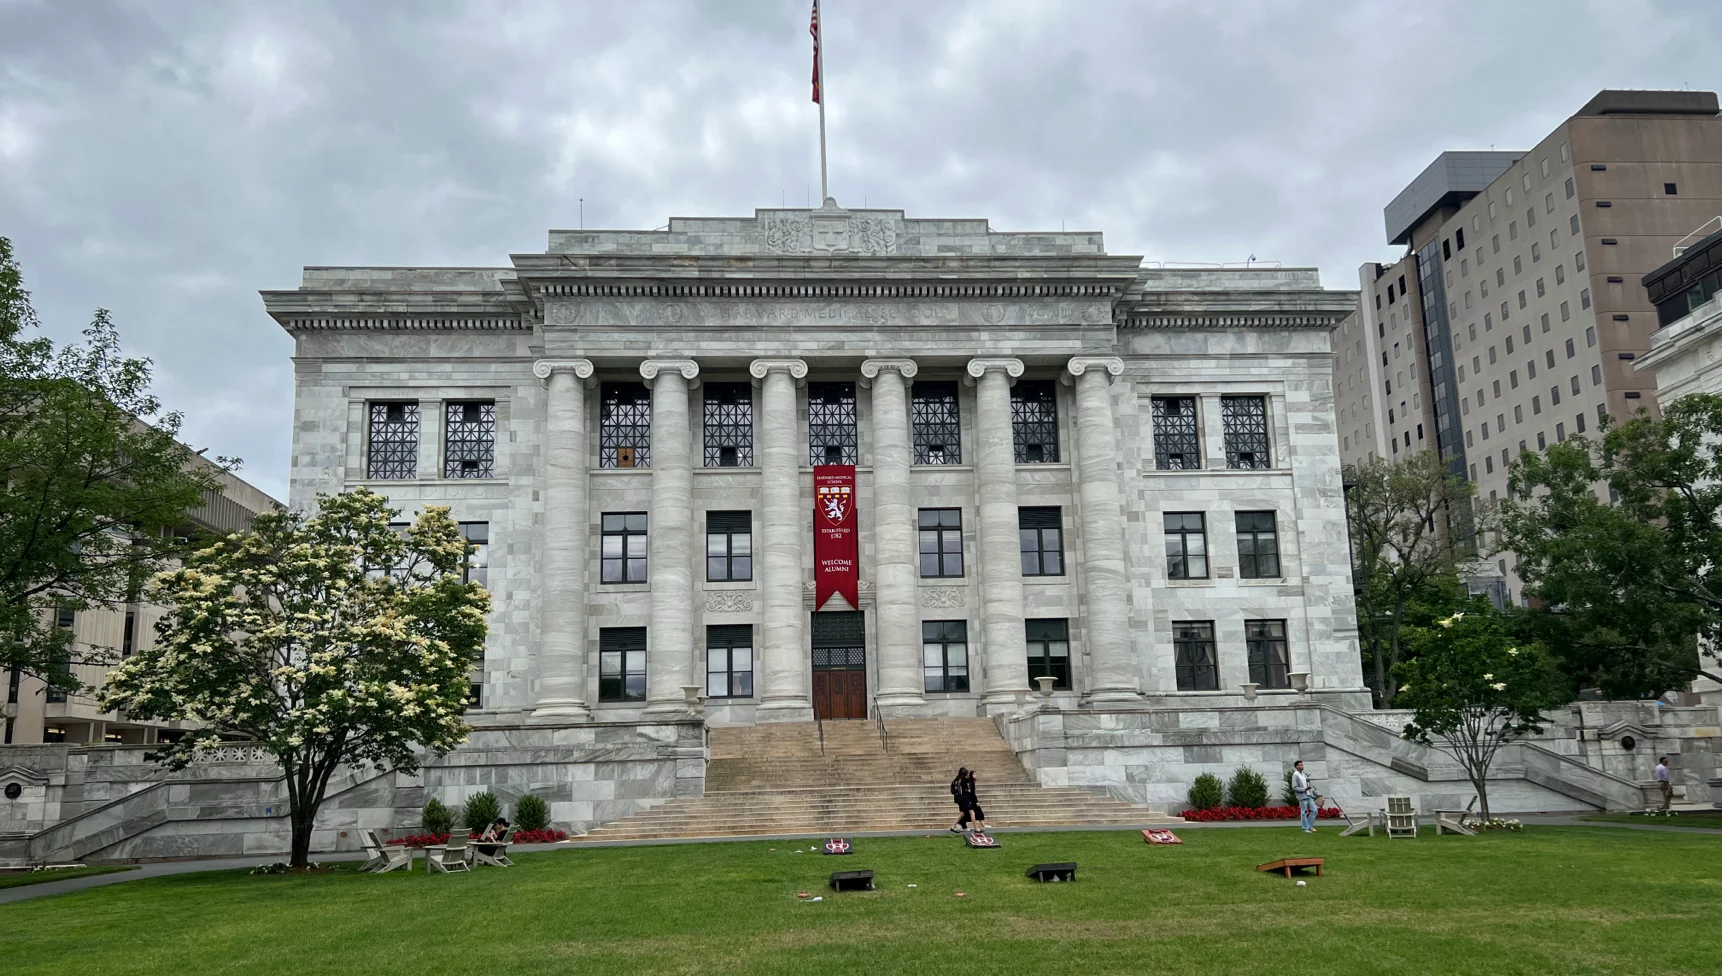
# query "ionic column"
(1105, 582)
(894, 552)
(562, 561)
(670, 640)
(1006, 652)
(785, 680)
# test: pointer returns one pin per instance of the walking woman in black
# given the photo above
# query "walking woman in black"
(963, 792)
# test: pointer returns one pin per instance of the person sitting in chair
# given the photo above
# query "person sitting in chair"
(497, 830)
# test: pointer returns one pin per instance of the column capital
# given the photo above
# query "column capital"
(871, 368)
(544, 368)
(796, 368)
(978, 368)
(1082, 364)
(650, 369)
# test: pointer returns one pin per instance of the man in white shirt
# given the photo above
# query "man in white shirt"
(1662, 782)
(1305, 798)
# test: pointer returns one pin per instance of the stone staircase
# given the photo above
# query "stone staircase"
(845, 777)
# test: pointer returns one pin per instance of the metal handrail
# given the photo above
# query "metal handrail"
(879, 719)
(819, 723)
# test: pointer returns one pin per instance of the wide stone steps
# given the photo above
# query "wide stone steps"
(801, 779)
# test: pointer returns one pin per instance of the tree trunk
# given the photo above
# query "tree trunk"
(300, 859)
(1380, 671)
(1479, 780)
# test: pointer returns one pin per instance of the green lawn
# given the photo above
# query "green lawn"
(21, 878)
(1699, 820)
(1567, 900)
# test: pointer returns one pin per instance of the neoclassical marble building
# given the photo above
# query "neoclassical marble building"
(1067, 465)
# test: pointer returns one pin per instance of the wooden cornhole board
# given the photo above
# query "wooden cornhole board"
(1290, 864)
(978, 839)
(1160, 835)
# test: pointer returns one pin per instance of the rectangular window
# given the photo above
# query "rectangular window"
(1572, 349)
(1569, 188)
(1193, 648)
(1521, 298)
(1590, 336)
(1048, 651)
(831, 423)
(1560, 432)
(1596, 375)
(1578, 260)
(1186, 545)
(1540, 291)
(937, 427)
(1560, 274)
(1270, 658)
(1244, 421)
(1034, 421)
(729, 546)
(1566, 312)
(1548, 200)
(625, 426)
(1042, 541)
(1518, 414)
(1545, 321)
(1176, 445)
(1575, 385)
(469, 439)
(624, 547)
(1536, 405)
(729, 661)
(1579, 419)
(392, 448)
(1513, 379)
(1513, 231)
(941, 532)
(1536, 252)
(1554, 396)
(1584, 298)
(477, 536)
(1258, 546)
(945, 656)
(1494, 239)
(622, 664)
(1531, 217)
(728, 425)
(128, 640)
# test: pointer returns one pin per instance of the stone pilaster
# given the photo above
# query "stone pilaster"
(1005, 652)
(894, 550)
(1105, 580)
(783, 675)
(670, 639)
(564, 543)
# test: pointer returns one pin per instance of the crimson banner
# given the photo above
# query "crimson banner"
(836, 563)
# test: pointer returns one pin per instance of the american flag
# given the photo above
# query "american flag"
(813, 28)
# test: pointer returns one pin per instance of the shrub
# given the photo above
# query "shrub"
(1207, 793)
(1247, 789)
(436, 818)
(1288, 796)
(531, 814)
(481, 811)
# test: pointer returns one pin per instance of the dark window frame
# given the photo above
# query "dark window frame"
(1034, 421)
(736, 567)
(936, 422)
(727, 425)
(1196, 655)
(1245, 422)
(831, 425)
(1036, 524)
(392, 440)
(942, 528)
(469, 439)
(1179, 556)
(622, 660)
(1255, 562)
(624, 426)
(1177, 435)
(625, 559)
(1269, 653)
(1043, 636)
(939, 674)
(725, 640)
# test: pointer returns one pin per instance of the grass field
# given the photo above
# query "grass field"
(1701, 821)
(1567, 900)
(21, 878)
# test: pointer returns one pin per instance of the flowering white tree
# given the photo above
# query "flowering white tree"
(1474, 689)
(330, 638)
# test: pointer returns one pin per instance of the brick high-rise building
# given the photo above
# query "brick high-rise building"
(1513, 319)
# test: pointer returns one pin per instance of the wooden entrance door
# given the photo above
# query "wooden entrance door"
(839, 665)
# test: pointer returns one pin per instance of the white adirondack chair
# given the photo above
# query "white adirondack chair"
(1401, 817)
(493, 852)
(452, 857)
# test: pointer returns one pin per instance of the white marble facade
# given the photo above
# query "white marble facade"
(789, 297)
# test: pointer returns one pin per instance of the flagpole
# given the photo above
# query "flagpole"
(819, 61)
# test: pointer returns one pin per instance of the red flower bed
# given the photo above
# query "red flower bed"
(549, 835)
(422, 840)
(1254, 813)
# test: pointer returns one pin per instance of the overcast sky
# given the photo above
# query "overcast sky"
(168, 160)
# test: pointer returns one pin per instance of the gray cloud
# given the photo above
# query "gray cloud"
(167, 160)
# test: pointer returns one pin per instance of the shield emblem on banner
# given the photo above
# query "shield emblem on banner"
(836, 502)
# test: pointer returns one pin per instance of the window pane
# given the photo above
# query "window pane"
(610, 662)
(717, 683)
(741, 567)
(933, 655)
(741, 685)
(1057, 649)
(635, 687)
(717, 568)
(929, 540)
(1198, 567)
(636, 522)
(613, 523)
(1054, 564)
(636, 570)
(717, 545)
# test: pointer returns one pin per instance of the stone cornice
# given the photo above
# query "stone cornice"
(1112, 365)
(1233, 320)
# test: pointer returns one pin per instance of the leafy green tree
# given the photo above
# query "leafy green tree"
(329, 638)
(1626, 588)
(1473, 688)
(1412, 532)
(95, 488)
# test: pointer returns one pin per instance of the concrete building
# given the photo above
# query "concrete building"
(34, 714)
(1514, 318)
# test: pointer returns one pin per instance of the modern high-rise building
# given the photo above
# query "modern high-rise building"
(1514, 317)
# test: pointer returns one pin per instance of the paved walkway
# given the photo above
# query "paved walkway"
(160, 869)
